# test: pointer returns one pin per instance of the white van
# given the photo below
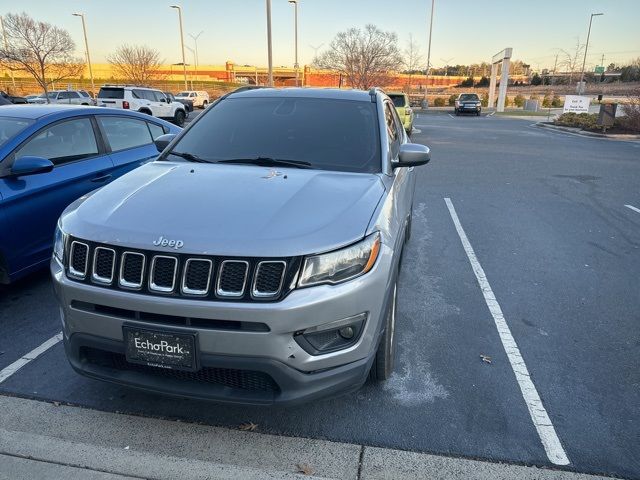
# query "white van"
(199, 98)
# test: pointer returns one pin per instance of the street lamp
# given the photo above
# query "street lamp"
(426, 81)
(295, 65)
(195, 41)
(269, 50)
(195, 61)
(581, 88)
(86, 46)
(184, 65)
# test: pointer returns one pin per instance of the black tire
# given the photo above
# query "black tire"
(384, 360)
(204, 104)
(145, 111)
(179, 117)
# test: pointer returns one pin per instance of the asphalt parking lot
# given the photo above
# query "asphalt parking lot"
(536, 236)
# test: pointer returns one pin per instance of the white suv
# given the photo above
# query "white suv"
(144, 100)
(199, 98)
(72, 97)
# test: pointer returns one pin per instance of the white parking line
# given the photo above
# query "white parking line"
(539, 416)
(451, 115)
(635, 209)
(6, 372)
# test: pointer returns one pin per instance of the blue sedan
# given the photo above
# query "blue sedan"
(49, 156)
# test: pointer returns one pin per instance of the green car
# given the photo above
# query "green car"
(405, 112)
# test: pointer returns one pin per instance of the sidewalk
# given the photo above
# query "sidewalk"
(40, 440)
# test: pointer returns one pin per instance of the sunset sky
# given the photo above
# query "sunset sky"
(465, 31)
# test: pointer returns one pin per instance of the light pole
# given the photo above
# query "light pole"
(586, 47)
(446, 65)
(6, 45)
(86, 46)
(296, 65)
(195, 61)
(184, 65)
(426, 83)
(195, 41)
(269, 50)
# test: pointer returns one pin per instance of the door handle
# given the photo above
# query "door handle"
(101, 178)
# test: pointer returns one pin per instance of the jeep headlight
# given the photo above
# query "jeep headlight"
(341, 265)
(59, 241)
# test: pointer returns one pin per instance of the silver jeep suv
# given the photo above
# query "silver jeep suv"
(255, 261)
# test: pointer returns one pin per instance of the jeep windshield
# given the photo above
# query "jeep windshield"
(469, 97)
(320, 133)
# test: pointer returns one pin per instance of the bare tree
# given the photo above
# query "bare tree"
(43, 50)
(412, 58)
(137, 64)
(570, 59)
(364, 57)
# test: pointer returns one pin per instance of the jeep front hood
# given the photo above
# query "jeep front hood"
(230, 210)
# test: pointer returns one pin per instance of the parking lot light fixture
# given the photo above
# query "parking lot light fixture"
(586, 48)
(184, 63)
(86, 46)
(269, 49)
(296, 66)
(195, 42)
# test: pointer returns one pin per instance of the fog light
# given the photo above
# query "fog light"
(346, 332)
(333, 336)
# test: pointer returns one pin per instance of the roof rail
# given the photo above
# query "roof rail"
(373, 91)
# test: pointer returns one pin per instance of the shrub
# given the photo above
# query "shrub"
(519, 101)
(557, 101)
(439, 102)
(547, 100)
(483, 82)
(468, 82)
(506, 101)
(631, 110)
(485, 99)
(452, 100)
(586, 121)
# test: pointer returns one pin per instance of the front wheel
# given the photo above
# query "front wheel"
(382, 367)
(204, 104)
(179, 117)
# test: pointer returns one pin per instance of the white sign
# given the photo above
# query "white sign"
(576, 104)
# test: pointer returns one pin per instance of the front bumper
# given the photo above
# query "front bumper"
(470, 109)
(298, 375)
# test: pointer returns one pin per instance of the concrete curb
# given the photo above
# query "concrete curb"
(578, 131)
(74, 443)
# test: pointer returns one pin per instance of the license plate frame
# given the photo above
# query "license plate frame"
(167, 358)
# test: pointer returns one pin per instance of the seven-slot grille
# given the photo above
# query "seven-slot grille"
(181, 274)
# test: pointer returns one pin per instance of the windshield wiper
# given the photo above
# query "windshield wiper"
(189, 156)
(268, 162)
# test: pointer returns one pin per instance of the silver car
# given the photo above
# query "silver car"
(255, 261)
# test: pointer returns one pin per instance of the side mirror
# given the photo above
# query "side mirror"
(164, 100)
(163, 140)
(412, 155)
(30, 165)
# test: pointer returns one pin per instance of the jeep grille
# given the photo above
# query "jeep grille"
(179, 274)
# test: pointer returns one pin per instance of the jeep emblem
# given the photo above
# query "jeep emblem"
(165, 242)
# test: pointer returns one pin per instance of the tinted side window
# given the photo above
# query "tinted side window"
(392, 129)
(123, 133)
(156, 130)
(63, 142)
(64, 95)
(107, 92)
